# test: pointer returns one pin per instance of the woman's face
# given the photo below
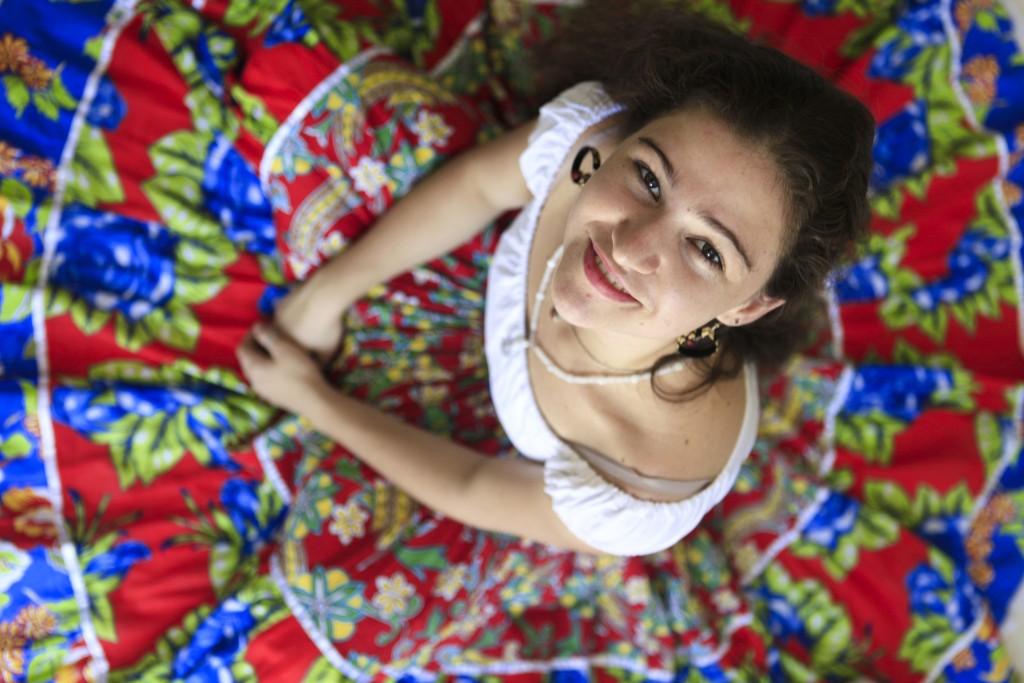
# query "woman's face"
(682, 224)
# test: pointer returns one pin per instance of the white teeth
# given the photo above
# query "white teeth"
(607, 275)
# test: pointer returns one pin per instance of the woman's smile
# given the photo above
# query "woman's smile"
(600, 276)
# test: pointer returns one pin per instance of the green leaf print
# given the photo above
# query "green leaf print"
(15, 303)
(263, 601)
(873, 530)
(45, 662)
(93, 178)
(181, 154)
(992, 436)
(929, 637)
(86, 318)
(17, 94)
(145, 445)
(262, 12)
(256, 117)
(322, 671)
(17, 446)
(871, 434)
(17, 195)
(834, 651)
(928, 503)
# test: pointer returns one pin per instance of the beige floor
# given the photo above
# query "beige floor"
(1013, 634)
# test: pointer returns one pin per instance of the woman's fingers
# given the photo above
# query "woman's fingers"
(267, 337)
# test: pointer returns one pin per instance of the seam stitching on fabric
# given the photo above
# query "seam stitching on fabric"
(305, 621)
(306, 104)
(117, 19)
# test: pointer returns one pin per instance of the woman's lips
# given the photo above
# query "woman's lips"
(595, 274)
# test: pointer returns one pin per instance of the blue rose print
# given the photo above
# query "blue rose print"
(217, 641)
(115, 263)
(969, 265)
(108, 107)
(290, 26)
(922, 27)
(118, 560)
(232, 193)
(89, 411)
(902, 392)
(861, 281)
(16, 339)
(902, 148)
(835, 519)
(242, 504)
(818, 8)
(930, 593)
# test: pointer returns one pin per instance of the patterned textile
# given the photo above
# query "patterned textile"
(167, 168)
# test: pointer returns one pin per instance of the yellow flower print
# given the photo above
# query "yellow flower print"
(369, 177)
(646, 641)
(725, 600)
(8, 158)
(37, 172)
(393, 595)
(349, 522)
(967, 10)
(36, 74)
(311, 507)
(1012, 192)
(981, 74)
(13, 53)
(333, 602)
(964, 660)
(36, 622)
(12, 652)
(638, 591)
(33, 515)
(505, 12)
(432, 129)
(423, 155)
(451, 580)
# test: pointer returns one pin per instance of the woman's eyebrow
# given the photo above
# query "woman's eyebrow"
(713, 222)
(725, 232)
(670, 170)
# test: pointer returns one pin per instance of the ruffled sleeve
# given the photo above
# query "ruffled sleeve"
(615, 522)
(560, 123)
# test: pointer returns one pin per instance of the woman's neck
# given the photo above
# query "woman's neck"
(615, 352)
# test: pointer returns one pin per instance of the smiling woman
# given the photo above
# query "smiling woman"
(675, 268)
(473, 486)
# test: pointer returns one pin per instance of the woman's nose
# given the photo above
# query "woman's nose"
(635, 247)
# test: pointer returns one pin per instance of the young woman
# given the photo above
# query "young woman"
(680, 209)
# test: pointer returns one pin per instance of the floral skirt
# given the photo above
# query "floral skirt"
(167, 169)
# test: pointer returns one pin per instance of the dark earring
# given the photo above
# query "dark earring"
(700, 343)
(578, 176)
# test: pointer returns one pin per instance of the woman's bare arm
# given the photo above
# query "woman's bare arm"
(495, 494)
(443, 211)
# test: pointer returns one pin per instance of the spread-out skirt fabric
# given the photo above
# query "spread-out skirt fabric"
(167, 168)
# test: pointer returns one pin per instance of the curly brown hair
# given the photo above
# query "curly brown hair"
(656, 57)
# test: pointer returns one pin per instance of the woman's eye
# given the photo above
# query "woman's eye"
(709, 253)
(649, 180)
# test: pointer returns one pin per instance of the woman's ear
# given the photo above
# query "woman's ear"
(750, 311)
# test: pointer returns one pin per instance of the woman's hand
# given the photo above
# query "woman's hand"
(312, 319)
(280, 371)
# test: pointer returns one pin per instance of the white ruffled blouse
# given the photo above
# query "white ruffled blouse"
(595, 510)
